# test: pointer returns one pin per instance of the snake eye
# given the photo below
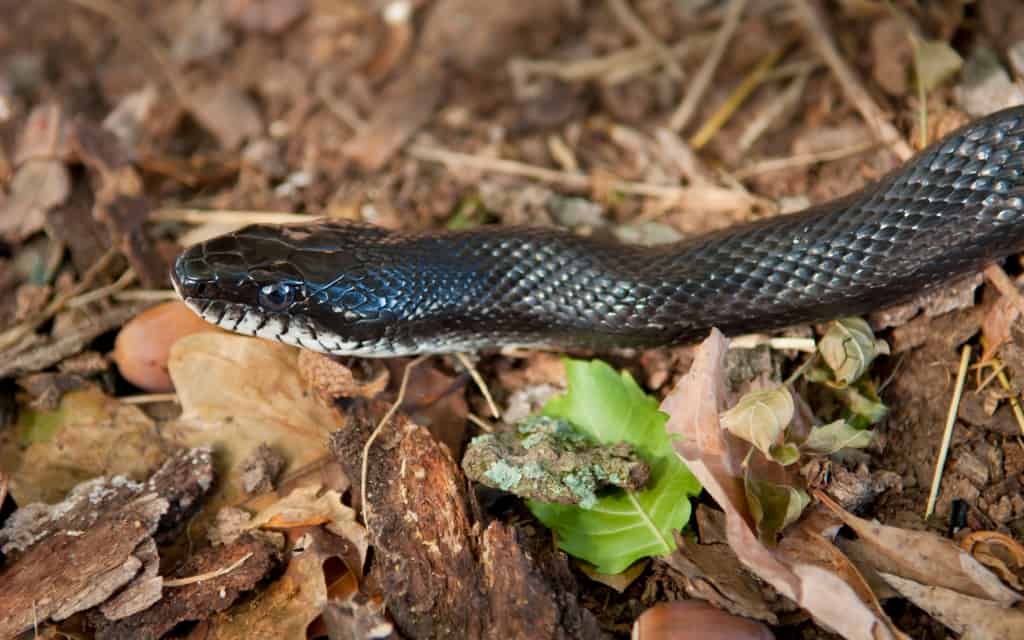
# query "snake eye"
(277, 296)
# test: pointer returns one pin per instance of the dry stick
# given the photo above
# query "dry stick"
(1018, 412)
(145, 295)
(203, 216)
(688, 106)
(947, 434)
(480, 422)
(810, 18)
(473, 373)
(775, 110)
(615, 67)
(131, 28)
(19, 331)
(127, 278)
(754, 340)
(803, 159)
(380, 427)
(742, 92)
(149, 398)
(577, 181)
(624, 14)
(200, 577)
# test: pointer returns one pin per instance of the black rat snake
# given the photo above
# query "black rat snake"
(354, 289)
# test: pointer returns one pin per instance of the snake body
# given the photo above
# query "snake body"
(345, 288)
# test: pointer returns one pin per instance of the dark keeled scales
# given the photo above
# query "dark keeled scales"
(365, 290)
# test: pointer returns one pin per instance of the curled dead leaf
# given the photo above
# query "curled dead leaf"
(332, 379)
(830, 597)
(925, 558)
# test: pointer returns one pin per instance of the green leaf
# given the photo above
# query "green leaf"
(835, 436)
(862, 402)
(773, 506)
(785, 454)
(761, 417)
(623, 526)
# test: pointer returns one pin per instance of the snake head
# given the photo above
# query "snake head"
(288, 284)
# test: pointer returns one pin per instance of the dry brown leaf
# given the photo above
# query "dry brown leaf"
(996, 325)
(88, 435)
(305, 507)
(693, 408)
(37, 186)
(974, 618)
(332, 379)
(1000, 553)
(237, 393)
(618, 581)
(228, 113)
(924, 557)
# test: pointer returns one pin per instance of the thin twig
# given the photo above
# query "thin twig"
(775, 110)
(19, 331)
(822, 42)
(804, 159)
(996, 364)
(947, 434)
(1018, 413)
(688, 105)
(710, 197)
(738, 96)
(480, 384)
(149, 398)
(221, 216)
(754, 340)
(145, 295)
(380, 427)
(480, 422)
(126, 279)
(201, 577)
(632, 23)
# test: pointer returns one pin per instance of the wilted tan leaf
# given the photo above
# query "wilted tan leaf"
(849, 347)
(761, 417)
(304, 508)
(37, 186)
(693, 408)
(974, 618)
(237, 393)
(88, 435)
(924, 557)
(837, 435)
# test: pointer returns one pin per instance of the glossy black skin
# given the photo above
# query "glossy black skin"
(955, 207)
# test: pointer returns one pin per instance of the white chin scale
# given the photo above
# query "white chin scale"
(291, 330)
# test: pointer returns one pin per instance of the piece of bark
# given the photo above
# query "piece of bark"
(74, 570)
(440, 576)
(180, 483)
(258, 555)
(144, 589)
